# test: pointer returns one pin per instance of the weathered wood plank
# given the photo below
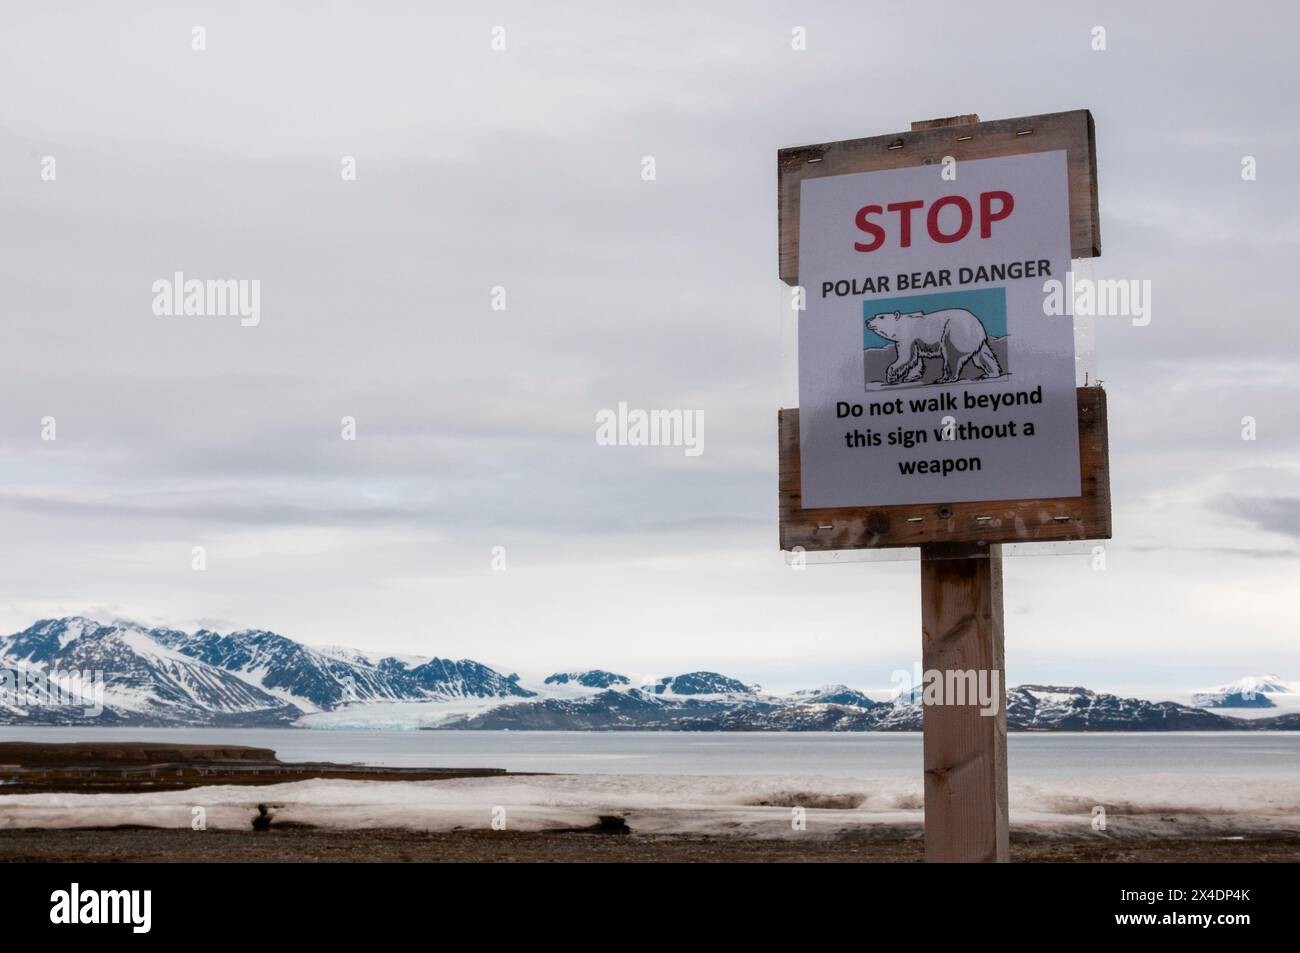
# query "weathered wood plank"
(967, 119)
(1086, 516)
(965, 751)
(961, 137)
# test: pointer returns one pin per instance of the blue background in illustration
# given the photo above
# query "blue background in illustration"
(987, 304)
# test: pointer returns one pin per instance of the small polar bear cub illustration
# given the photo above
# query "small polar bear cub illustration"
(953, 334)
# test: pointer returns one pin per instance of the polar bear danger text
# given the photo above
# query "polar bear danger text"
(938, 278)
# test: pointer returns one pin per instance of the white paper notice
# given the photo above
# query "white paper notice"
(928, 370)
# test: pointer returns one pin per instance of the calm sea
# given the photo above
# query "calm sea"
(1195, 754)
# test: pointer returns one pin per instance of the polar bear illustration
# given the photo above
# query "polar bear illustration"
(954, 334)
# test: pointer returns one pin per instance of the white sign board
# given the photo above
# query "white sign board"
(929, 368)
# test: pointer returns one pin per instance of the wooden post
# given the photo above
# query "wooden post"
(965, 751)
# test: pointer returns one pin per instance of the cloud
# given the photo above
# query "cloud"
(1268, 514)
(476, 427)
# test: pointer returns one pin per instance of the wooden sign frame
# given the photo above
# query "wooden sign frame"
(1083, 517)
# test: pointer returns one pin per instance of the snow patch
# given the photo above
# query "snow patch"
(680, 804)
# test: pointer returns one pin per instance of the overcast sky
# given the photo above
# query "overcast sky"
(475, 428)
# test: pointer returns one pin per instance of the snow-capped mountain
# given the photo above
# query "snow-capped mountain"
(161, 676)
(1253, 691)
(1078, 709)
(319, 680)
(145, 679)
(833, 695)
(700, 683)
(592, 678)
(165, 676)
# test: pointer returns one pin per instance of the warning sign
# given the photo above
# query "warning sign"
(929, 369)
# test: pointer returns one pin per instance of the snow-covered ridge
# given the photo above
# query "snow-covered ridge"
(163, 676)
(167, 676)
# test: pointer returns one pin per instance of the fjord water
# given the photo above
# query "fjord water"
(1253, 754)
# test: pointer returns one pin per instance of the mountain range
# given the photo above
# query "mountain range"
(252, 677)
